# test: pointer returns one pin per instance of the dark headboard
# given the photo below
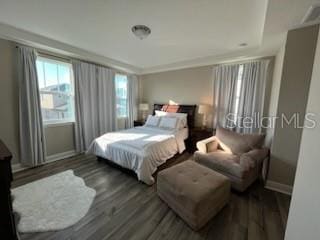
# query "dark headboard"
(188, 109)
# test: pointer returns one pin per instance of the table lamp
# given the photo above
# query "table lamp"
(204, 109)
(144, 107)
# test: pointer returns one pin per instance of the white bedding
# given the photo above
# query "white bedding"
(141, 149)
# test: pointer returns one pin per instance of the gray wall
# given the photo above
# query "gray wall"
(9, 131)
(188, 86)
(274, 93)
(296, 74)
(58, 139)
(304, 216)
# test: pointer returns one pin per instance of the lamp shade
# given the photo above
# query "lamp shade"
(143, 106)
(203, 109)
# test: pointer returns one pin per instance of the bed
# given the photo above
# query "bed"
(143, 149)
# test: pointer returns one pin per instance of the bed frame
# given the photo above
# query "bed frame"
(188, 109)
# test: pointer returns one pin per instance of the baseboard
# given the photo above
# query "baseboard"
(17, 167)
(279, 187)
(59, 156)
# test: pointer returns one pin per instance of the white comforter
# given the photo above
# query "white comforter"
(141, 149)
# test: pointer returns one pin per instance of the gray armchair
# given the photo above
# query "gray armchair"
(240, 157)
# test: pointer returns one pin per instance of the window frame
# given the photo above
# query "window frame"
(238, 90)
(60, 61)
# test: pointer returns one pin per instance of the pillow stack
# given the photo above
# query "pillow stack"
(167, 120)
(181, 118)
(152, 121)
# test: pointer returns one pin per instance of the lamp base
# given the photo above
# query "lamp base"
(144, 115)
(204, 122)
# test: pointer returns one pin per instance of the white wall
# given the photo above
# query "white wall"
(304, 216)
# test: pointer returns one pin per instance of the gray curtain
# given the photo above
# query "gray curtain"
(94, 103)
(252, 94)
(32, 142)
(106, 100)
(224, 93)
(86, 121)
(132, 100)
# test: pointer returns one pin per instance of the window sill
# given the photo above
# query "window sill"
(57, 124)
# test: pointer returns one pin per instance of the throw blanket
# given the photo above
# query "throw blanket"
(141, 149)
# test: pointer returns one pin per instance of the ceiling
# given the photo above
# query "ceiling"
(184, 32)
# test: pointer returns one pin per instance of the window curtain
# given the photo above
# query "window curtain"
(252, 93)
(32, 142)
(106, 100)
(95, 107)
(251, 100)
(224, 93)
(132, 100)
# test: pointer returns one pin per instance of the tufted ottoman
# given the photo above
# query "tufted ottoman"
(196, 193)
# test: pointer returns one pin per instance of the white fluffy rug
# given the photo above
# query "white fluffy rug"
(52, 203)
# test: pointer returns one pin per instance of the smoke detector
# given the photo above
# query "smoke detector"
(312, 15)
(141, 31)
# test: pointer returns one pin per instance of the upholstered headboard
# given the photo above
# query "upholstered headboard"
(188, 109)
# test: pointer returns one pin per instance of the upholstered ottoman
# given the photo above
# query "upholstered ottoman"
(196, 193)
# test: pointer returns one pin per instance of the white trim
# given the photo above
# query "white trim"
(237, 56)
(56, 47)
(47, 44)
(54, 60)
(17, 167)
(279, 187)
(57, 124)
(59, 156)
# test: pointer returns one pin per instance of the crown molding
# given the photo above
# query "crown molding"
(34, 40)
(38, 41)
(242, 55)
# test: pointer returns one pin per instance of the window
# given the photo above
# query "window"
(238, 89)
(56, 90)
(121, 95)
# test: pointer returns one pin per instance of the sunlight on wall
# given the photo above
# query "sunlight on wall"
(171, 102)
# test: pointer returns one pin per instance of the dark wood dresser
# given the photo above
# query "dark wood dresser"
(7, 221)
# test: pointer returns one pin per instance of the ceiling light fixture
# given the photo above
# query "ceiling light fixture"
(141, 31)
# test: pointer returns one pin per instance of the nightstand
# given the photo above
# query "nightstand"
(137, 123)
(197, 134)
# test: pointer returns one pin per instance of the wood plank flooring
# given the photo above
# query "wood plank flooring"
(125, 208)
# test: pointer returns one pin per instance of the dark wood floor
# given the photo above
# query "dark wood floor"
(127, 209)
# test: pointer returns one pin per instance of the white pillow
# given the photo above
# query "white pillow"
(160, 113)
(168, 122)
(152, 121)
(181, 116)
